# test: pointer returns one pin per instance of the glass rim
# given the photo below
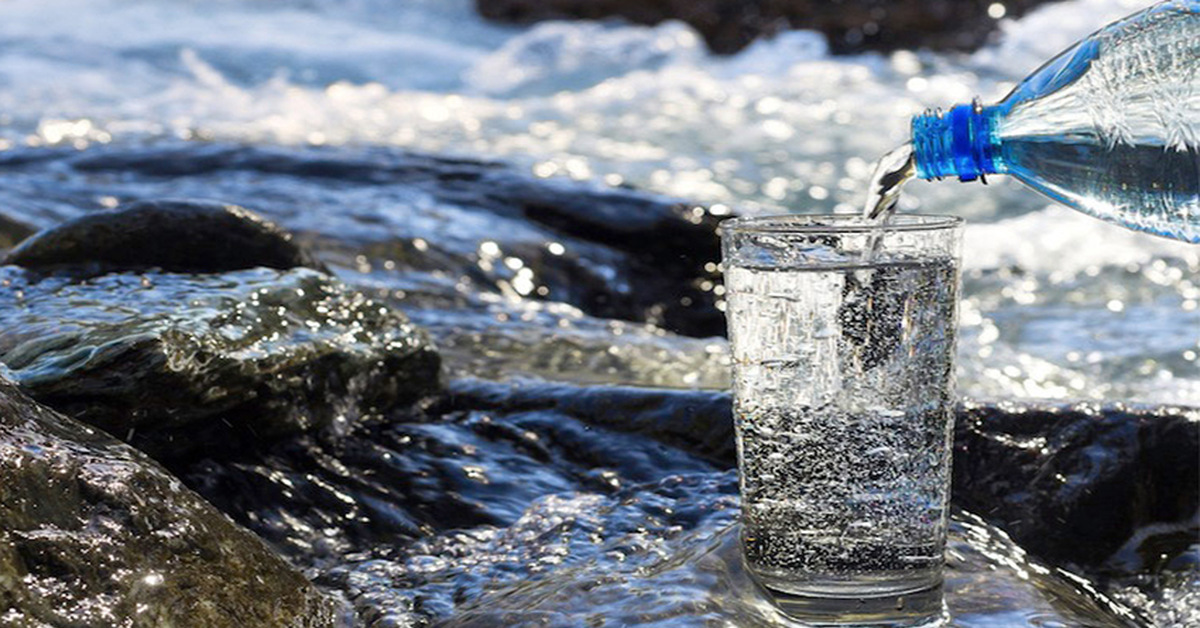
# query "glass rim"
(850, 223)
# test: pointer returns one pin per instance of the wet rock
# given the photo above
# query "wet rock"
(612, 252)
(173, 235)
(560, 341)
(499, 427)
(417, 518)
(696, 421)
(94, 533)
(730, 25)
(1082, 483)
(320, 498)
(13, 231)
(183, 364)
(667, 245)
(1048, 474)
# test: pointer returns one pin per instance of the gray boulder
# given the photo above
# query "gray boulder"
(94, 533)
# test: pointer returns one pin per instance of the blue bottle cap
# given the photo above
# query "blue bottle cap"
(956, 144)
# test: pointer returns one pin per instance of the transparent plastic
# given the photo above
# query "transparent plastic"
(1110, 127)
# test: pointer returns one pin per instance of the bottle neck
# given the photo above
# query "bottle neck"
(960, 143)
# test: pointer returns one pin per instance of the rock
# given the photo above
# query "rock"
(668, 245)
(1080, 484)
(94, 533)
(696, 421)
(13, 231)
(730, 25)
(611, 252)
(173, 235)
(404, 516)
(321, 498)
(994, 464)
(1047, 474)
(183, 364)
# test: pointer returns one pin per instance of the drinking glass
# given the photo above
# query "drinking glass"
(843, 339)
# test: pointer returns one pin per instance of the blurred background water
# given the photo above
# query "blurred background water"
(1056, 304)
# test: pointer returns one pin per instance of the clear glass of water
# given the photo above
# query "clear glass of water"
(843, 338)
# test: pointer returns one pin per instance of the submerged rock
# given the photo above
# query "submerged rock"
(497, 337)
(94, 533)
(730, 25)
(172, 235)
(182, 364)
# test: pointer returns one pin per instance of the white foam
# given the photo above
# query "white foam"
(569, 56)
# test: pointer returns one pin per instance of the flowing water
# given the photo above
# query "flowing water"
(892, 172)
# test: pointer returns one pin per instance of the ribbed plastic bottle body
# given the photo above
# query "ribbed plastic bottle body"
(1110, 127)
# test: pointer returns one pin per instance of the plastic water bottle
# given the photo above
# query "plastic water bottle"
(1110, 127)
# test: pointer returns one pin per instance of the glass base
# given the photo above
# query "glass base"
(919, 605)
